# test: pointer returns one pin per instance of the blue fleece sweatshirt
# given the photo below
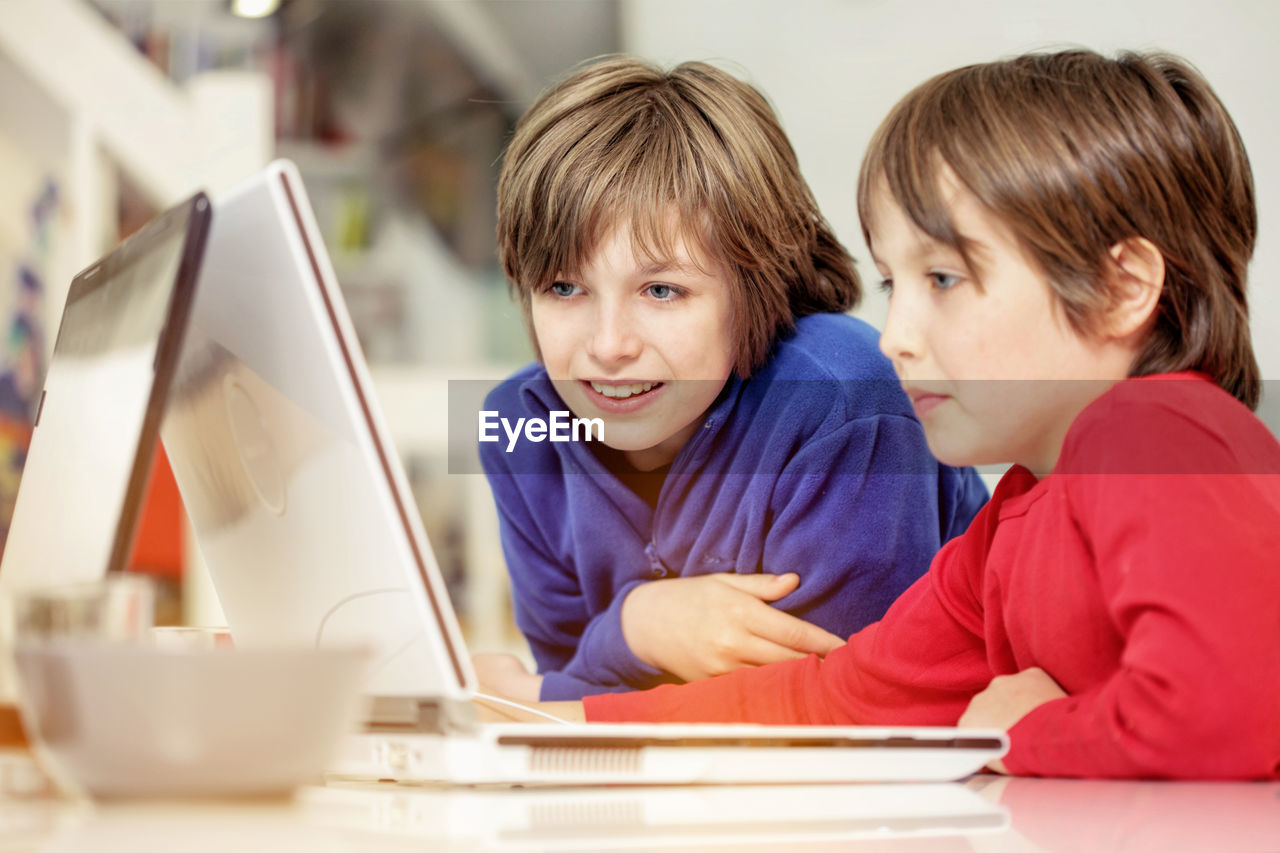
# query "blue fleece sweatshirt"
(816, 464)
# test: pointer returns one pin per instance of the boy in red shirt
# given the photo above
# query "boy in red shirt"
(1065, 238)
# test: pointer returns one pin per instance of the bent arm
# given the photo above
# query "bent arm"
(917, 666)
(858, 515)
(578, 651)
(1191, 583)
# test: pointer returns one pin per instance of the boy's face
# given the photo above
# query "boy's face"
(646, 346)
(994, 370)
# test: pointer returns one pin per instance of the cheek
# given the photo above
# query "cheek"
(964, 353)
(711, 363)
(999, 334)
(716, 345)
(992, 348)
(552, 337)
(694, 347)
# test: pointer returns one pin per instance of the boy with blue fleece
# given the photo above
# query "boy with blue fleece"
(763, 488)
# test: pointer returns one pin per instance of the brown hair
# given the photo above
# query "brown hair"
(1075, 152)
(620, 140)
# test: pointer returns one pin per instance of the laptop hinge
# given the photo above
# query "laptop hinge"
(418, 714)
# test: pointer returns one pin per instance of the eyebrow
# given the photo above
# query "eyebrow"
(655, 268)
(977, 250)
(671, 266)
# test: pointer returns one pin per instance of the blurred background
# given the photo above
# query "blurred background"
(396, 112)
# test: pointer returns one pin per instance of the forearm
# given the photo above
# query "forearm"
(770, 694)
(918, 666)
(599, 660)
(579, 652)
(1191, 588)
(1193, 695)
(1133, 727)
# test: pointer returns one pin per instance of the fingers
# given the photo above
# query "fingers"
(794, 633)
(490, 712)
(507, 676)
(757, 651)
(1008, 698)
(765, 587)
(776, 626)
(708, 624)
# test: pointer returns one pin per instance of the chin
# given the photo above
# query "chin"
(950, 450)
(626, 441)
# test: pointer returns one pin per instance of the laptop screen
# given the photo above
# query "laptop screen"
(294, 491)
(97, 421)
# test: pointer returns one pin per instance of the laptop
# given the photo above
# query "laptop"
(305, 520)
(98, 418)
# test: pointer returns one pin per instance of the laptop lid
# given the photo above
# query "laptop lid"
(300, 507)
(98, 418)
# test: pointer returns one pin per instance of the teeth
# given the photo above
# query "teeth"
(622, 391)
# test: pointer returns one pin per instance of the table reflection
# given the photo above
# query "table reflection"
(983, 814)
(1070, 814)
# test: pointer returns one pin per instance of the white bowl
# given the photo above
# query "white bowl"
(143, 721)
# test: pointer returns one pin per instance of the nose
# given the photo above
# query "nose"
(902, 339)
(615, 338)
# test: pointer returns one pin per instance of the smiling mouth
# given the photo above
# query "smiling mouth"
(622, 391)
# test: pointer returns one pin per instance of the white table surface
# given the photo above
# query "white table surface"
(983, 813)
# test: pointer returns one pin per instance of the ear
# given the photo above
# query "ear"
(1136, 281)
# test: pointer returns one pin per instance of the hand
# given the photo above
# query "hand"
(493, 712)
(711, 624)
(1009, 698)
(505, 675)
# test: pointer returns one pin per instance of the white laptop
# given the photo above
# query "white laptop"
(98, 419)
(310, 533)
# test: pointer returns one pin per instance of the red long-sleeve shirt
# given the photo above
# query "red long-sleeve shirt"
(1143, 575)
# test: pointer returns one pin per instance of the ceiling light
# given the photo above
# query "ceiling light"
(254, 8)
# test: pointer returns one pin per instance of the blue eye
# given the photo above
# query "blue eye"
(663, 292)
(563, 288)
(944, 280)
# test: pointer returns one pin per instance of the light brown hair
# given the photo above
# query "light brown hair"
(620, 141)
(1075, 152)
